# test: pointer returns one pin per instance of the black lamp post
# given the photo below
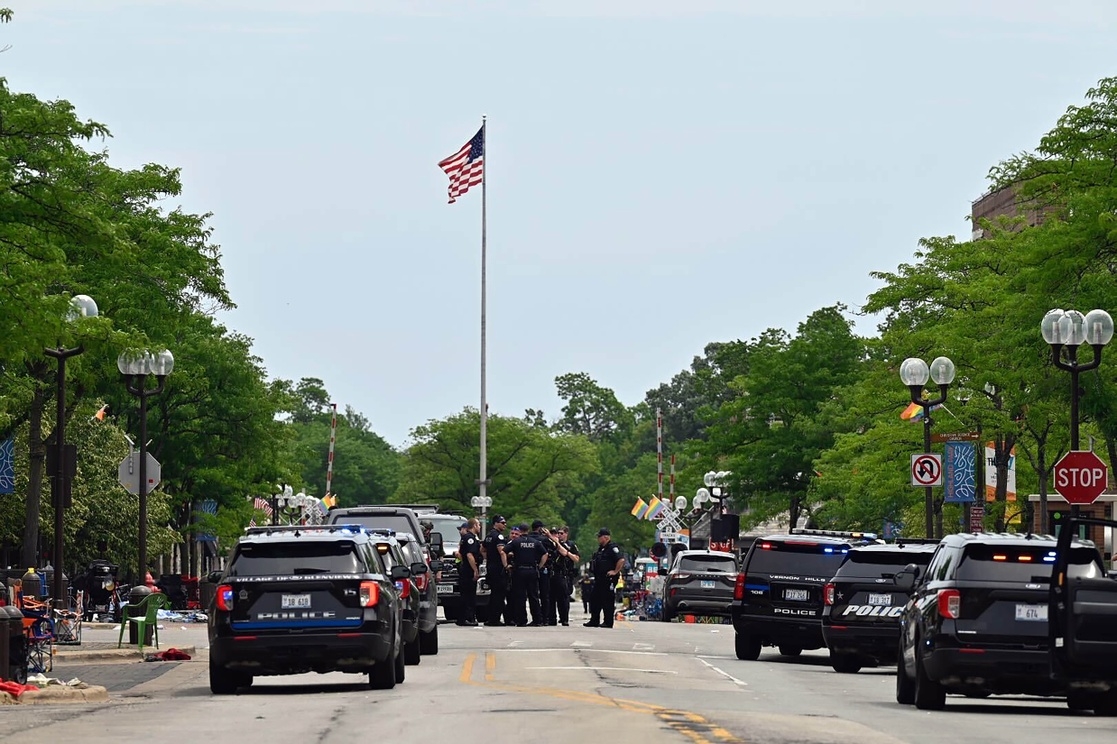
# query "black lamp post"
(914, 373)
(136, 367)
(1067, 330)
(64, 460)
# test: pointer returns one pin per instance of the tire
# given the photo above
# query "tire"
(399, 666)
(668, 615)
(1105, 703)
(17, 673)
(222, 681)
(412, 653)
(428, 642)
(1080, 700)
(929, 695)
(747, 647)
(383, 675)
(845, 663)
(451, 613)
(789, 650)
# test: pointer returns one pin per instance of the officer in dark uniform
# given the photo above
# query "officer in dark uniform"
(562, 578)
(546, 572)
(526, 554)
(606, 564)
(470, 571)
(496, 571)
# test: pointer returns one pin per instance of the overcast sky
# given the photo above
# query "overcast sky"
(661, 174)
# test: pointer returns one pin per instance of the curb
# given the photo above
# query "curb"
(116, 654)
(60, 694)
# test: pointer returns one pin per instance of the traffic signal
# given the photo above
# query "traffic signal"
(1057, 519)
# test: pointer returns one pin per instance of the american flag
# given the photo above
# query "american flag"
(263, 505)
(466, 167)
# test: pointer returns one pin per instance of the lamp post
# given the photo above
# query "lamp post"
(914, 373)
(483, 503)
(1067, 330)
(136, 367)
(295, 506)
(81, 306)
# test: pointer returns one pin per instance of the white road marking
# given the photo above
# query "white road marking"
(581, 644)
(512, 645)
(605, 669)
(724, 673)
(596, 651)
(643, 647)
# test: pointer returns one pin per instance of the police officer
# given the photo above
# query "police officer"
(546, 572)
(496, 571)
(470, 571)
(527, 554)
(562, 577)
(606, 564)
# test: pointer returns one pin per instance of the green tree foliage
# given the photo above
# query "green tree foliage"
(591, 410)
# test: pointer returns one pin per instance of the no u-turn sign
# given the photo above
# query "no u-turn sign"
(926, 469)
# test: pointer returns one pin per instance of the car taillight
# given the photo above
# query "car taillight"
(950, 603)
(828, 594)
(421, 581)
(370, 593)
(682, 576)
(404, 588)
(739, 587)
(225, 598)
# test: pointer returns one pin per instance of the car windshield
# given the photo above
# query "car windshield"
(394, 522)
(291, 558)
(877, 564)
(798, 558)
(448, 528)
(708, 563)
(1024, 564)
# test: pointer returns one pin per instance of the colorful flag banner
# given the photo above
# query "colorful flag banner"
(640, 508)
(991, 473)
(7, 466)
(207, 506)
(263, 505)
(959, 470)
(466, 167)
(914, 412)
(655, 507)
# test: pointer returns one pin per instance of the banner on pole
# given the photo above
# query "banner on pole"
(991, 474)
(959, 472)
(7, 466)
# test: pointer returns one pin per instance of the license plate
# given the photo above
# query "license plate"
(445, 588)
(880, 600)
(795, 595)
(1032, 612)
(294, 601)
(707, 585)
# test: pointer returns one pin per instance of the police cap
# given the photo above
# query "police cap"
(604, 531)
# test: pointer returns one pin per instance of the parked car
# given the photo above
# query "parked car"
(449, 594)
(862, 603)
(425, 589)
(306, 599)
(392, 554)
(700, 582)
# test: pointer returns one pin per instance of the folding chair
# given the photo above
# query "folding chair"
(67, 626)
(146, 613)
(39, 631)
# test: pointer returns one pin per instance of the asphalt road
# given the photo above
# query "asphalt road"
(639, 682)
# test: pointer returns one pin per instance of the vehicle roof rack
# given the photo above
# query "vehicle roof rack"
(300, 528)
(420, 508)
(916, 540)
(834, 533)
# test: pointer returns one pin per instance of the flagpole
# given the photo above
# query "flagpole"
(483, 481)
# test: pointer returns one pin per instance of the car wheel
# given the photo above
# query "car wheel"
(1105, 703)
(450, 612)
(668, 615)
(383, 675)
(428, 642)
(222, 681)
(399, 666)
(845, 663)
(929, 695)
(789, 650)
(747, 647)
(412, 653)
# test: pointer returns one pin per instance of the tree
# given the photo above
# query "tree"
(591, 410)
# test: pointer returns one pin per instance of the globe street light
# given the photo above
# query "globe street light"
(1067, 330)
(914, 373)
(482, 503)
(65, 465)
(136, 366)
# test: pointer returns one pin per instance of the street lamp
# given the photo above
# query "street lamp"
(1069, 329)
(136, 366)
(482, 503)
(81, 306)
(295, 506)
(914, 373)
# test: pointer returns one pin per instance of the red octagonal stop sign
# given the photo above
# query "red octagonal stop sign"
(1080, 477)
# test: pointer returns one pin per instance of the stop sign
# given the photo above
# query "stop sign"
(1080, 477)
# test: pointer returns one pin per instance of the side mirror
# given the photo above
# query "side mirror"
(397, 573)
(418, 569)
(436, 543)
(905, 578)
(437, 566)
(214, 577)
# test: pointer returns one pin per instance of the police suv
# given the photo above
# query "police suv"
(862, 603)
(778, 595)
(307, 599)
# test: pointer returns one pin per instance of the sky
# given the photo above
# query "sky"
(660, 174)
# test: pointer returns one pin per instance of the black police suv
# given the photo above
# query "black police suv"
(700, 582)
(862, 604)
(976, 623)
(777, 599)
(424, 586)
(306, 599)
(392, 554)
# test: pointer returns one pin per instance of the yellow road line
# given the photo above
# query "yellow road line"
(691, 725)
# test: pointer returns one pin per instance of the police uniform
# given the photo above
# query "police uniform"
(524, 555)
(494, 544)
(602, 600)
(545, 575)
(467, 580)
(562, 581)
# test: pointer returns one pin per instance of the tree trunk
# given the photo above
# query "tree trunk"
(37, 457)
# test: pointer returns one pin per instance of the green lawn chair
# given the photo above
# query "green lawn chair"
(144, 613)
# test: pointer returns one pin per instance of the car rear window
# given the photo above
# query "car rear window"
(291, 558)
(798, 558)
(708, 563)
(875, 564)
(1023, 564)
(394, 522)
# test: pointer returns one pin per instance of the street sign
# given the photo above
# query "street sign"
(129, 473)
(977, 517)
(965, 436)
(926, 469)
(1080, 477)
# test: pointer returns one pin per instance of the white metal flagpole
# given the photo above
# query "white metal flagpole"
(330, 456)
(483, 481)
